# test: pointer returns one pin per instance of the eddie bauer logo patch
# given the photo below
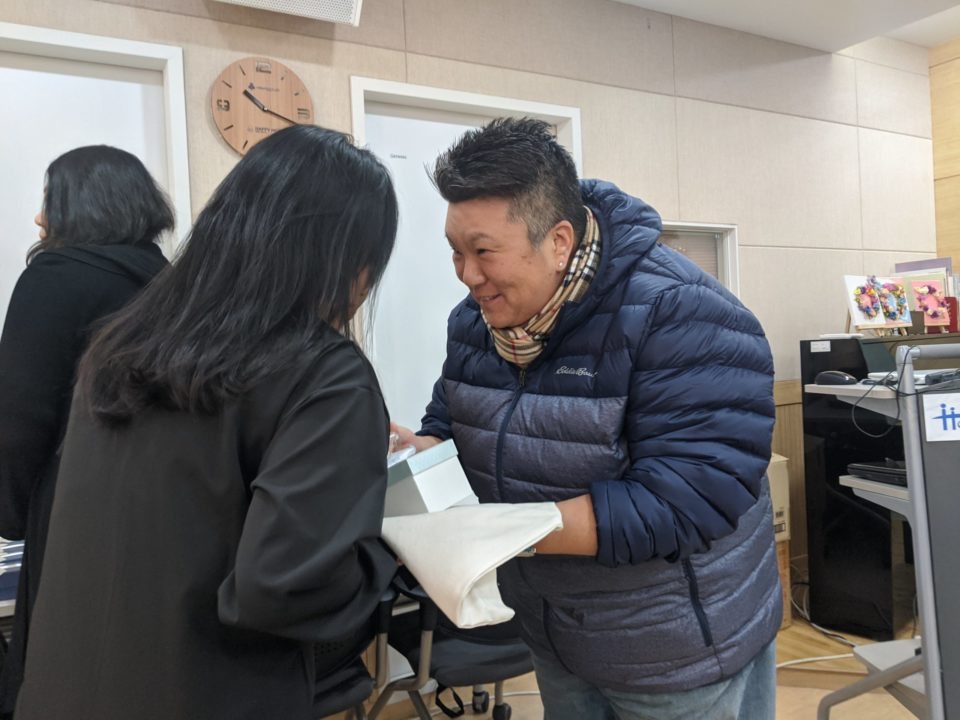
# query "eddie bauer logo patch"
(582, 372)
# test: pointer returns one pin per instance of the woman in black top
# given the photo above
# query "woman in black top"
(102, 215)
(221, 492)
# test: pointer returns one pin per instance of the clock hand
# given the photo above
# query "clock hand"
(254, 100)
(282, 117)
(265, 109)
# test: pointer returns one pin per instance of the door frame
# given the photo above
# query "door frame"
(167, 59)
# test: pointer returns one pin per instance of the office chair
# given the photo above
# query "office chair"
(438, 650)
(347, 687)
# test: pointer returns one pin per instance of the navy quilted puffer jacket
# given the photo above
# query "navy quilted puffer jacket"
(655, 395)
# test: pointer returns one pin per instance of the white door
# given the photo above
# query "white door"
(60, 105)
(419, 288)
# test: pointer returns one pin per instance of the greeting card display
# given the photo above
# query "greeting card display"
(928, 298)
(877, 302)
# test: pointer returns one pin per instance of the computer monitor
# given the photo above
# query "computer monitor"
(880, 353)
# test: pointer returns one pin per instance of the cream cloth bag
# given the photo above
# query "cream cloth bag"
(455, 553)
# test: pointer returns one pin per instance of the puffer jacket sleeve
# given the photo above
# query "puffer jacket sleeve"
(436, 420)
(699, 425)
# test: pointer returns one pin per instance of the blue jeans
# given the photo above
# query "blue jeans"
(748, 695)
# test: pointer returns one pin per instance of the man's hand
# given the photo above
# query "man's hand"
(579, 533)
(409, 439)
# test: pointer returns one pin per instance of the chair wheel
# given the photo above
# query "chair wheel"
(481, 701)
(502, 712)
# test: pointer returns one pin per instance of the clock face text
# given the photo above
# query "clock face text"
(254, 97)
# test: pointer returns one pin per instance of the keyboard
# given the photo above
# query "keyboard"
(891, 472)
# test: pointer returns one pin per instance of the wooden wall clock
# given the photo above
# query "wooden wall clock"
(256, 96)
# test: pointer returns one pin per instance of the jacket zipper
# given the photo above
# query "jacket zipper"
(503, 431)
(697, 605)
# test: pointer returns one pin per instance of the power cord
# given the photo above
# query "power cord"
(804, 611)
(884, 382)
(880, 383)
(821, 658)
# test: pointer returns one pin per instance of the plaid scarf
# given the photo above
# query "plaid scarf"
(522, 344)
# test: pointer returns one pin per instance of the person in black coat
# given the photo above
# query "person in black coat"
(101, 218)
(215, 539)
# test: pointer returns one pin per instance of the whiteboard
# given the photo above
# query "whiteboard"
(64, 104)
(420, 287)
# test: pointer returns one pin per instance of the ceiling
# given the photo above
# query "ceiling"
(931, 31)
(828, 25)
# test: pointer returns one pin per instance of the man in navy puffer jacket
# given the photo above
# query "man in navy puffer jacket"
(593, 366)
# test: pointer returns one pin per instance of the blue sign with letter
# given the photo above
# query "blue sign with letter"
(941, 418)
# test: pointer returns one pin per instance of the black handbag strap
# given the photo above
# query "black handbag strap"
(449, 712)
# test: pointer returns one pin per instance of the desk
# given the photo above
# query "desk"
(929, 503)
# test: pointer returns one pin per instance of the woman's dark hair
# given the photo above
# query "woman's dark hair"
(101, 195)
(518, 159)
(277, 254)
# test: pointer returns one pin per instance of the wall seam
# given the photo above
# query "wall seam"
(856, 100)
(668, 95)
(406, 51)
(676, 113)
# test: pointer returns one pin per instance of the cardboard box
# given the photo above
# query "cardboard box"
(783, 565)
(780, 496)
(429, 481)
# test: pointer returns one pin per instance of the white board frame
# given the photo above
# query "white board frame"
(168, 59)
(365, 90)
(728, 249)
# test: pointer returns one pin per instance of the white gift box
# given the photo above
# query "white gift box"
(426, 482)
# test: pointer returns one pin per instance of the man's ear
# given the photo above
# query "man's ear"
(563, 243)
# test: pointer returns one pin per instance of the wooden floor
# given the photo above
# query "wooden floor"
(799, 688)
(793, 703)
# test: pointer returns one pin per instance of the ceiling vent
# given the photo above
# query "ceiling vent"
(335, 11)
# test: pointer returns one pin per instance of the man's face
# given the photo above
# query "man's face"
(492, 255)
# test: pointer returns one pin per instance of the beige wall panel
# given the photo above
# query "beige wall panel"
(894, 100)
(381, 21)
(786, 181)
(945, 107)
(629, 137)
(208, 46)
(736, 68)
(892, 53)
(944, 53)
(327, 77)
(594, 40)
(896, 186)
(882, 262)
(820, 306)
(948, 217)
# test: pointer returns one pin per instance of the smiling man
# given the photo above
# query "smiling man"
(594, 367)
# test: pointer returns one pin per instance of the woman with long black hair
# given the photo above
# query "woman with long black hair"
(218, 511)
(101, 219)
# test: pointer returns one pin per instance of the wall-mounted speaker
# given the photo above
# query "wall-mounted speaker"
(336, 11)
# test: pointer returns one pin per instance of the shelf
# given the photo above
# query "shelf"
(892, 497)
(877, 398)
